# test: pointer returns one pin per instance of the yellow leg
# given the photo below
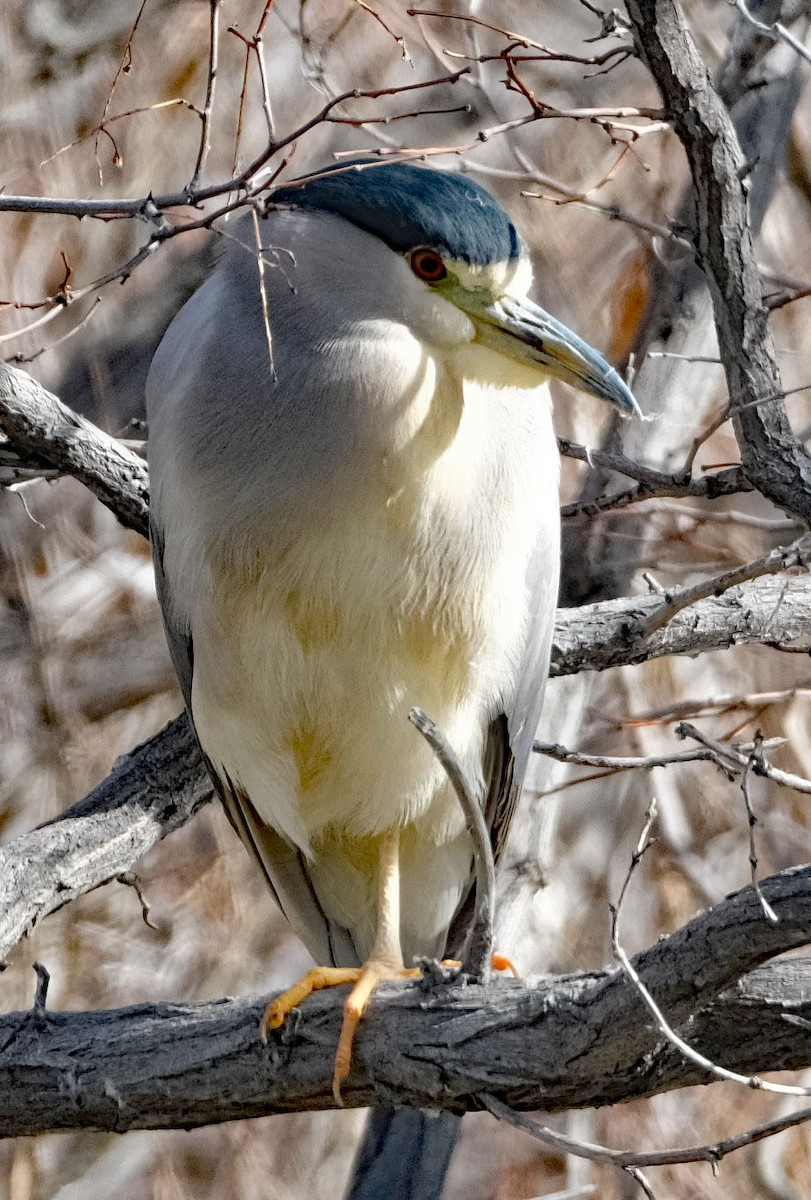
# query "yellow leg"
(384, 963)
(372, 974)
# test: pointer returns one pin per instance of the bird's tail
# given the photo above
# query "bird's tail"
(404, 1154)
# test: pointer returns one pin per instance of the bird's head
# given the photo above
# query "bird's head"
(460, 243)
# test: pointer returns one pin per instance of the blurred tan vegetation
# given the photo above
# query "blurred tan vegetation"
(84, 673)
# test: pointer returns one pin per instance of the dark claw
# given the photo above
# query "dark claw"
(279, 1042)
(434, 975)
(289, 1031)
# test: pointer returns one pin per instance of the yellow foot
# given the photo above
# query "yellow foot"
(313, 981)
(373, 973)
(364, 978)
(499, 963)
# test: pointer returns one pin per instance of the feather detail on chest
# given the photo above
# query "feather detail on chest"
(314, 640)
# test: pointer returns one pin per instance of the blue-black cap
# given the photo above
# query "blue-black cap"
(406, 205)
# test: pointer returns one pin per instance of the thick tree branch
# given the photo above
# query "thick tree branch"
(149, 793)
(39, 425)
(770, 611)
(553, 1044)
(774, 460)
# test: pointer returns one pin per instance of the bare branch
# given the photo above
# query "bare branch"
(208, 104)
(123, 68)
(651, 483)
(755, 755)
(480, 946)
(753, 762)
(37, 423)
(655, 1007)
(798, 554)
(246, 183)
(773, 458)
(554, 1044)
(594, 637)
(149, 793)
(613, 763)
(711, 1153)
(776, 31)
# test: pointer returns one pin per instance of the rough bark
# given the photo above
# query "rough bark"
(774, 460)
(149, 793)
(49, 433)
(773, 612)
(552, 1044)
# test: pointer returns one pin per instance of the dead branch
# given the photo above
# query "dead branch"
(149, 793)
(50, 434)
(612, 763)
(710, 1153)
(580, 1040)
(774, 460)
(771, 611)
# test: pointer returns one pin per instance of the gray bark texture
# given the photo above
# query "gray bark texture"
(46, 432)
(774, 460)
(149, 793)
(552, 1044)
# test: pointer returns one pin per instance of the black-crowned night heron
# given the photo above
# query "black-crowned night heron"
(355, 511)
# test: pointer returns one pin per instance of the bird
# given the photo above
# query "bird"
(354, 510)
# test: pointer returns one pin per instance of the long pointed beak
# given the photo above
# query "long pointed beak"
(523, 331)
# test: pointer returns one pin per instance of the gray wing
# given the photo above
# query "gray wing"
(284, 866)
(524, 710)
(511, 732)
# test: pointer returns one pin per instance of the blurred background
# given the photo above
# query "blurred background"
(84, 673)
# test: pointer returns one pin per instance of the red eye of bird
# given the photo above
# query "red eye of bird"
(427, 264)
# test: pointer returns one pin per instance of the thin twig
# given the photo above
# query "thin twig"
(40, 321)
(659, 485)
(616, 763)
(755, 756)
(41, 993)
(208, 105)
(480, 945)
(760, 766)
(396, 37)
(643, 1182)
(711, 1153)
(22, 360)
(130, 879)
(775, 31)
(244, 182)
(124, 67)
(689, 1052)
